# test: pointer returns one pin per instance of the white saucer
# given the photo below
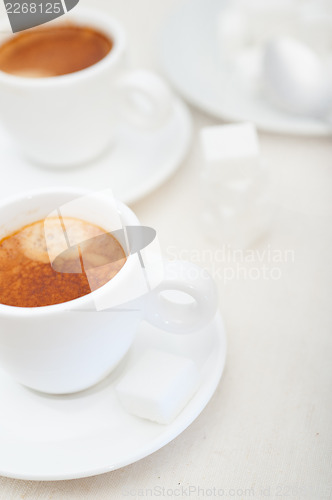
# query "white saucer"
(66, 437)
(191, 60)
(136, 165)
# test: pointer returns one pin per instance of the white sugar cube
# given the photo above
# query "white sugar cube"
(234, 187)
(231, 151)
(232, 30)
(158, 386)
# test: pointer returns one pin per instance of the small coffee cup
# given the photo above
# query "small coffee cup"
(68, 347)
(68, 120)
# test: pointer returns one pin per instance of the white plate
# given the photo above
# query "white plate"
(65, 437)
(137, 164)
(190, 59)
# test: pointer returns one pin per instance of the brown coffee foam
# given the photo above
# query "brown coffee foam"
(27, 278)
(53, 51)
(45, 240)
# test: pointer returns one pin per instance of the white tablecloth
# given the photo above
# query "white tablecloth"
(267, 431)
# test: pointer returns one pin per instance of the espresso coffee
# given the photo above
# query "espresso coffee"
(53, 51)
(54, 261)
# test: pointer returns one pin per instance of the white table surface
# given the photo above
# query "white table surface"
(267, 431)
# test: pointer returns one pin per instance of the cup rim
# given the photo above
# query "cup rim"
(126, 213)
(85, 16)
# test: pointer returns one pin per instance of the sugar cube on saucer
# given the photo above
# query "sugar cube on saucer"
(158, 386)
(232, 30)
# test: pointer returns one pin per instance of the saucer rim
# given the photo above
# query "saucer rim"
(152, 183)
(180, 119)
(203, 396)
(196, 97)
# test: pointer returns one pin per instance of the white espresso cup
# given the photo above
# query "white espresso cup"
(68, 120)
(68, 347)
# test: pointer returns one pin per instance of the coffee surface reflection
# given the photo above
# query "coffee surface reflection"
(53, 51)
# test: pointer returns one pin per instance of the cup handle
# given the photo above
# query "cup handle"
(180, 318)
(145, 99)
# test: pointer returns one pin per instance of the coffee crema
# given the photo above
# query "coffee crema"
(54, 261)
(53, 51)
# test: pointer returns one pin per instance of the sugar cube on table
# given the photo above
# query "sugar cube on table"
(234, 187)
(231, 150)
(158, 386)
